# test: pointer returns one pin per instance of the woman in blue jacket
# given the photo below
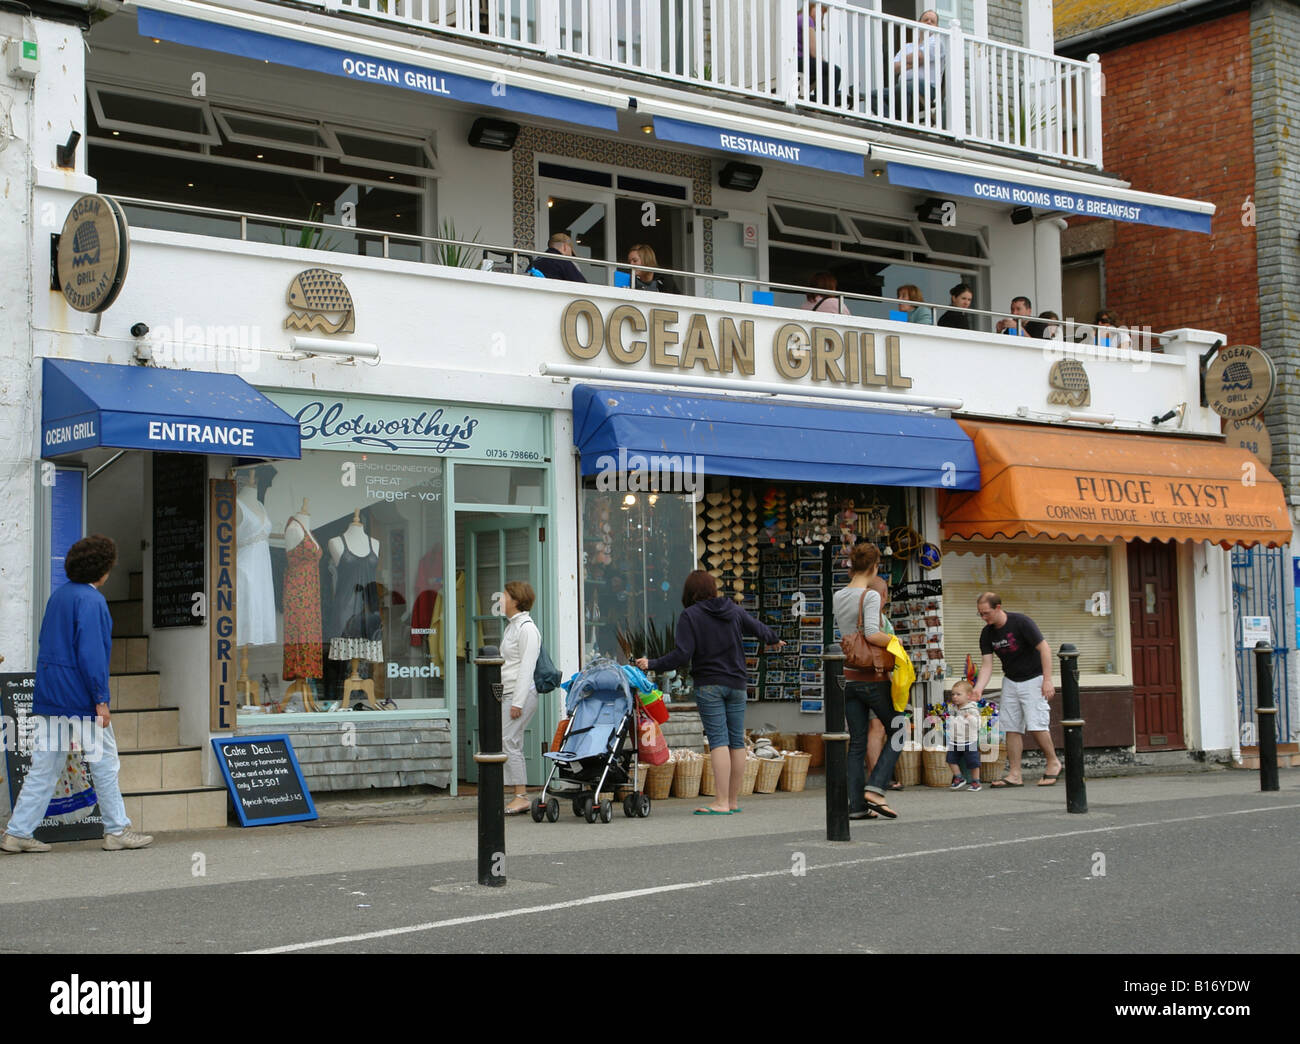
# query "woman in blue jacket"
(709, 638)
(71, 699)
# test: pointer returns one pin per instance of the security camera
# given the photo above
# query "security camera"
(140, 330)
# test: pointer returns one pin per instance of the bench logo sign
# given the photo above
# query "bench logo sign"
(75, 997)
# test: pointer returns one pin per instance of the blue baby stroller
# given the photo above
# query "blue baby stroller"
(599, 752)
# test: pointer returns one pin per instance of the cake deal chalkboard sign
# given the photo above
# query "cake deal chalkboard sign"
(264, 780)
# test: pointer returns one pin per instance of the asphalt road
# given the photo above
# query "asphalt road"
(1178, 864)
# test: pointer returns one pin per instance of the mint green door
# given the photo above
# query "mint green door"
(497, 549)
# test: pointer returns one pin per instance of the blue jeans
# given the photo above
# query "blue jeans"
(861, 699)
(722, 713)
(100, 748)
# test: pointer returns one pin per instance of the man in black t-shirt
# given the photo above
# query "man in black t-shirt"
(1026, 685)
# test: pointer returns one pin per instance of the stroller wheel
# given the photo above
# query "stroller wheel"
(552, 809)
(589, 808)
(643, 805)
(629, 806)
(538, 810)
(577, 807)
(606, 810)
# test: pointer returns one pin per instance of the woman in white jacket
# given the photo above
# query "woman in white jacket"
(519, 648)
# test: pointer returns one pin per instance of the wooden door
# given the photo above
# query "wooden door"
(1153, 616)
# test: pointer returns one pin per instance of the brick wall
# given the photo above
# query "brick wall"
(383, 753)
(1275, 88)
(1177, 121)
(1006, 23)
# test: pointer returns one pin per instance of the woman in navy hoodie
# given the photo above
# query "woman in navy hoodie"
(709, 639)
(70, 701)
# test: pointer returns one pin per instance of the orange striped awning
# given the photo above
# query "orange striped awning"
(1088, 485)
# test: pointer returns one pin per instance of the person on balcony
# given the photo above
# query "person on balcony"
(1016, 327)
(961, 296)
(912, 301)
(643, 254)
(1046, 327)
(918, 73)
(555, 263)
(1108, 333)
(825, 301)
(813, 22)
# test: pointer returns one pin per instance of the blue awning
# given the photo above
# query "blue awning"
(758, 146)
(84, 405)
(353, 64)
(622, 429)
(1047, 194)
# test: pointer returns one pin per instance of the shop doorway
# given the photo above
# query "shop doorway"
(1157, 676)
(491, 550)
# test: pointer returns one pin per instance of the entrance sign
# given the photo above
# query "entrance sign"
(1239, 382)
(264, 779)
(1256, 629)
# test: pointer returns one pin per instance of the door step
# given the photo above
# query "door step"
(195, 808)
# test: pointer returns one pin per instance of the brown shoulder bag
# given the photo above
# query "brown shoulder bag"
(860, 654)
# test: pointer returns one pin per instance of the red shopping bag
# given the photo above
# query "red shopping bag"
(652, 748)
(655, 708)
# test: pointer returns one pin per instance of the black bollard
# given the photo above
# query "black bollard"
(1267, 713)
(1076, 793)
(491, 771)
(836, 741)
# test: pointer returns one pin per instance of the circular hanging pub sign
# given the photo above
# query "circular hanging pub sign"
(1251, 435)
(94, 252)
(1239, 382)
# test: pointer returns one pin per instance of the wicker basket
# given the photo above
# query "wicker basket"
(937, 772)
(708, 781)
(686, 780)
(659, 780)
(812, 743)
(769, 775)
(794, 771)
(907, 769)
(993, 764)
(750, 777)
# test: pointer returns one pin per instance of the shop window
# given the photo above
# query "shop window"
(638, 548)
(249, 129)
(340, 591)
(1053, 584)
(489, 484)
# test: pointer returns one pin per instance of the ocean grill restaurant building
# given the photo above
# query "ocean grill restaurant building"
(327, 411)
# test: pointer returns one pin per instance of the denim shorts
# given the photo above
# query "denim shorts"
(722, 713)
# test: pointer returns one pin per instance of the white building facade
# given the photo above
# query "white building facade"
(341, 207)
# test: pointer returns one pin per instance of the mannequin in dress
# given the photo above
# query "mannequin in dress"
(355, 612)
(302, 619)
(254, 587)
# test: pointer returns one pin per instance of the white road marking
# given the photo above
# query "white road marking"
(641, 893)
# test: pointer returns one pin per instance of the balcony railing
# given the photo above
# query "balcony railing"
(455, 253)
(841, 60)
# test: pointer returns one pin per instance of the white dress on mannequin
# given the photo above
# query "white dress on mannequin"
(254, 587)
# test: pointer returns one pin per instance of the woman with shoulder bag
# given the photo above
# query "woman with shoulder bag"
(866, 688)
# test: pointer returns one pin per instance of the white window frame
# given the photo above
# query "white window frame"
(211, 137)
(329, 147)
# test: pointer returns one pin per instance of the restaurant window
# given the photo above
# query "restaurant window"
(1055, 585)
(340, 591)
(871, 254)
(194, 153)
